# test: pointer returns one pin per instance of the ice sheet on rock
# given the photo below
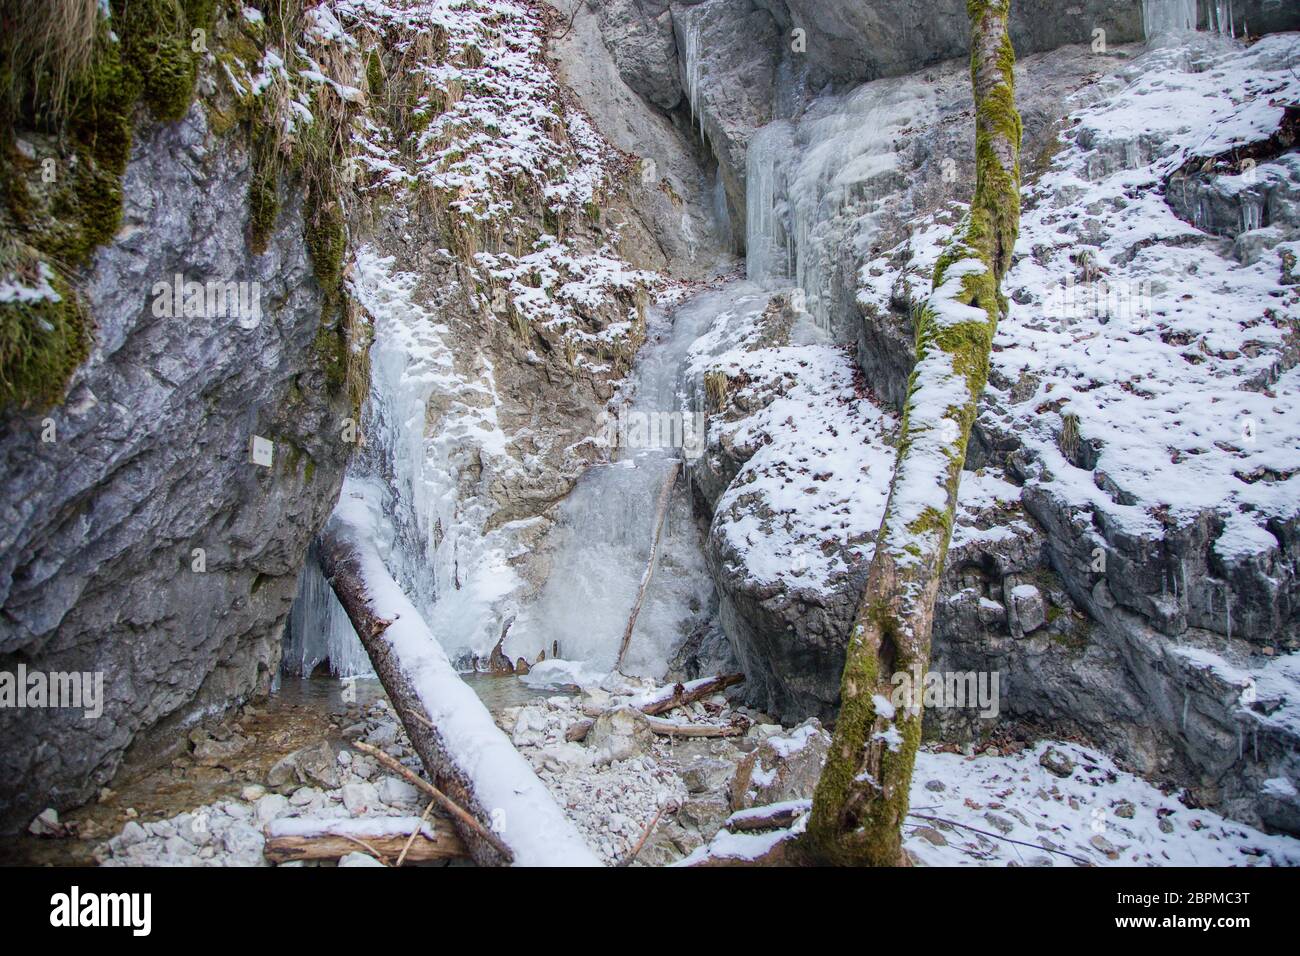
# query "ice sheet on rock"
(455, 570)
(603, 533)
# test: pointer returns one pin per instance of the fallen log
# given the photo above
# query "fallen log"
(579, 730)
(465, 754)
(774, 816)
(457, 812)
(661, 511)
(673, 728)
(296, 839)
(679, 695)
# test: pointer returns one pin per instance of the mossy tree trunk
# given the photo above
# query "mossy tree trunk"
(862, 797)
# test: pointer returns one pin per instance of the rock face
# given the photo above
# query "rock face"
(636, 102)
(1164, 640)
(639, 34)
(729, 53)
(140, 541)
(855, 41)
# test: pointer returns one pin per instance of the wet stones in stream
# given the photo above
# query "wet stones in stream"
(319, 782)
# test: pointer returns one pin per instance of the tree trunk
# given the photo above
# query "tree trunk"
(862, 795)
(341, 568)
(515, 817)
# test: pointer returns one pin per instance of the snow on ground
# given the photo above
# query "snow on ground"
(1147, 332)
(809, 498)
(821, 472)
(1096, 812)
(1010, 809)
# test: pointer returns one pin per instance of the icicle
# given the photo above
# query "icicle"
(1186, 699)
(1224, 21)
(319, 630)
(1162, 17)
(765, 233)
(1252, 214)
(694, 72)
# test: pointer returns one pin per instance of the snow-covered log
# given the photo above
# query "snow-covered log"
(662, 701)
(465, 753)
(328, 839)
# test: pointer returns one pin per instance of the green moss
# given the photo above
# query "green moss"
(326, 239)
(330, 347)
(155, 36)
(41, 344)
(263, 194)
(375, 73)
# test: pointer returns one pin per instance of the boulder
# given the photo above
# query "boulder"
(620, 734)
(783, 767)
(1056, 763)
(707, 775)
(308, 765)
(359, 798)
(397, 793)
(270, 807)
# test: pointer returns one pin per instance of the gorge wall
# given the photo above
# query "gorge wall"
(1117, 617)
(827, 142)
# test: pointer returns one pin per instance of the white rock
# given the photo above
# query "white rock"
(271, 807)
(131, 834)
(306, 796)
(359, 797)
(46, 823)
(253, 792)
(396, 793)
(384, 734)
(359, 859)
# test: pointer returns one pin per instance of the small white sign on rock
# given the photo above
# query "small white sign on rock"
(263, 451)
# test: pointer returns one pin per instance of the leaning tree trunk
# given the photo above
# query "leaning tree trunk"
(862, 796)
